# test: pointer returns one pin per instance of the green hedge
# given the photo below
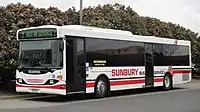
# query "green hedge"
(16, 16)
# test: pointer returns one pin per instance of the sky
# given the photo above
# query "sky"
(183, 12)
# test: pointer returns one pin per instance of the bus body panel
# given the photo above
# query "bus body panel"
(181, 75)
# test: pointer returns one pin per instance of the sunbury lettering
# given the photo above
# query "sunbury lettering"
(124, 72)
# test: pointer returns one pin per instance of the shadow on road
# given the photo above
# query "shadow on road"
(79, 97)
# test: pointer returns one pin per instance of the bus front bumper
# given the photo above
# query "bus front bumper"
(59, 89)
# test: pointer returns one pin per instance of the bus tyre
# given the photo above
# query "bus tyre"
(101, 88)
(167, 82)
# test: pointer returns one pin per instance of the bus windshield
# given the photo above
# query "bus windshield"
(40, 53)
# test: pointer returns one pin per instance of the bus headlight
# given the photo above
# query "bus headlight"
(20, 81)
(51, 81)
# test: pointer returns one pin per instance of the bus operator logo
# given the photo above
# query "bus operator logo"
(124, 72)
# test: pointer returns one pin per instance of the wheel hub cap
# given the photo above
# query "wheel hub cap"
(167, 82)
(101, 86)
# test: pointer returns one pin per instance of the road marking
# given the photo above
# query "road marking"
(125, 96)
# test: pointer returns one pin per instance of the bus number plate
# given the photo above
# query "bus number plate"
(35, 90)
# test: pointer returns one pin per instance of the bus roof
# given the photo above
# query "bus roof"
(94, 32)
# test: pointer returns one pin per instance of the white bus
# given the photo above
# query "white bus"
(79, 59)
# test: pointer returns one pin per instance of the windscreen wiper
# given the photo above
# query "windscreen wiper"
(21, 68)
(48, 69)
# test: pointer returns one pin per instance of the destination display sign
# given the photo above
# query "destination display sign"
(38, 33)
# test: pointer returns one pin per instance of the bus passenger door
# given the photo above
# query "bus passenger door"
(149, 66)
(75, 65)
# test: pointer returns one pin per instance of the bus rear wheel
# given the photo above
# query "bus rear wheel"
(167, 82)
(101, 88)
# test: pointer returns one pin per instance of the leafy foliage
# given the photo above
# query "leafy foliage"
(16, 16)
(124, 18)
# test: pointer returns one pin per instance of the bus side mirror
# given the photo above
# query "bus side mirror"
(61, 46)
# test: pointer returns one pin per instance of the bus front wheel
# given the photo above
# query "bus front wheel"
(101, 88)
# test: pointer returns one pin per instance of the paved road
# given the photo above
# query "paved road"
(185, 98)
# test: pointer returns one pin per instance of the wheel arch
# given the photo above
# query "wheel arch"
(168, 73)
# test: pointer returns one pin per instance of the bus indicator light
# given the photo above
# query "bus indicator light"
(59, 77)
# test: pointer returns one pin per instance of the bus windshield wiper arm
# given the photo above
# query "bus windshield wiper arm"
(21, 68)
(47, 68)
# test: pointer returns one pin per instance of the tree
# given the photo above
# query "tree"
(117, 16)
